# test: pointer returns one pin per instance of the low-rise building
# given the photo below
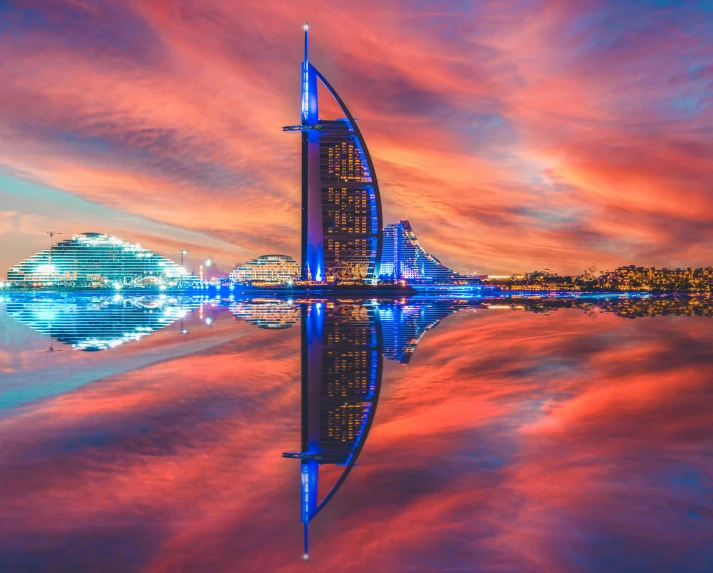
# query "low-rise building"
(95, 260)
(403, 257)
(277, 269)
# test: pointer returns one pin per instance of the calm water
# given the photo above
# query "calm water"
(516, 435)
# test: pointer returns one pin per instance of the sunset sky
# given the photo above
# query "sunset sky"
(514, 134)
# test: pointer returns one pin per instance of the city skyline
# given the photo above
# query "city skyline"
(568, 143)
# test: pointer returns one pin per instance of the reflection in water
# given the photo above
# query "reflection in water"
(550, 435)
(93, 323)
(341, 377)
(629, 306)
(342, 349)
(404, 325)
(101, 322)
(267, 313)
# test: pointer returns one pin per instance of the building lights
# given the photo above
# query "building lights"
(342, 235)
(46, 270)
(91, 323)
(269, 269)
(93, 260)
(403, 257)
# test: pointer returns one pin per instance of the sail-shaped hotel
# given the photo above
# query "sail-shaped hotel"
(341, 207)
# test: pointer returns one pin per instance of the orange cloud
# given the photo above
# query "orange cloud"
(513, 135)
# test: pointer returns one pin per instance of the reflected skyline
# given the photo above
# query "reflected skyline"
(517, 432)
(343, 346)
(101, 322)
(341, 377)
(94, 323)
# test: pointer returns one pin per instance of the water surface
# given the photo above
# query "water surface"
(149, 434)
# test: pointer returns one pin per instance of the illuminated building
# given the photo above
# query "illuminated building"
(629, 278)
(341, 205)
(268, 269)
(341, 377)
(403, 257)
(272, 314)
(653, 279)
(94, 323)
(404, 325)
(94, 260)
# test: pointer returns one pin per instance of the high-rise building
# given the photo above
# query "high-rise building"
(95, 260)
(267, 268)
(403, 257)
(341, 205)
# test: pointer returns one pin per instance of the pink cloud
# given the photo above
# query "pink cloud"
(513, 135)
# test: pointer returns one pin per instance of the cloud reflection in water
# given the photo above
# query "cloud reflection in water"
(559, 440)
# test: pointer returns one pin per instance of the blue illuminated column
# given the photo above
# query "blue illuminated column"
(312, 357)
(312, 230)
(342, 222)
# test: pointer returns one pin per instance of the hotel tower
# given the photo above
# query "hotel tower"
(341, 207)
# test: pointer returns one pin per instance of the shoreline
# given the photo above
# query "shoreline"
(366, 293)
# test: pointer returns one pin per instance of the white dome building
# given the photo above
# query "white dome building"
(94, 260)
(273, 269)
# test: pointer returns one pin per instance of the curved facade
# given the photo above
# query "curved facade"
(341, 206)
(403, 326)
(403, 257)
(95, 260)
(267, 268)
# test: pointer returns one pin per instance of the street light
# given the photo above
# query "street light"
(183, 269)
(208, 263)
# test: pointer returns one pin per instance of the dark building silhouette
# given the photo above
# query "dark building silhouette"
(341, 206)
(341, 378)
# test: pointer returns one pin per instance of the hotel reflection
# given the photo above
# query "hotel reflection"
(341, 378)
(343, 346)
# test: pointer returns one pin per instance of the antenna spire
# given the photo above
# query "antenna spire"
(306, 29)
(306, 554)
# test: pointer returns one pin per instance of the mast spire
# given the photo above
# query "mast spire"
(309, 86)
(306, 554)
